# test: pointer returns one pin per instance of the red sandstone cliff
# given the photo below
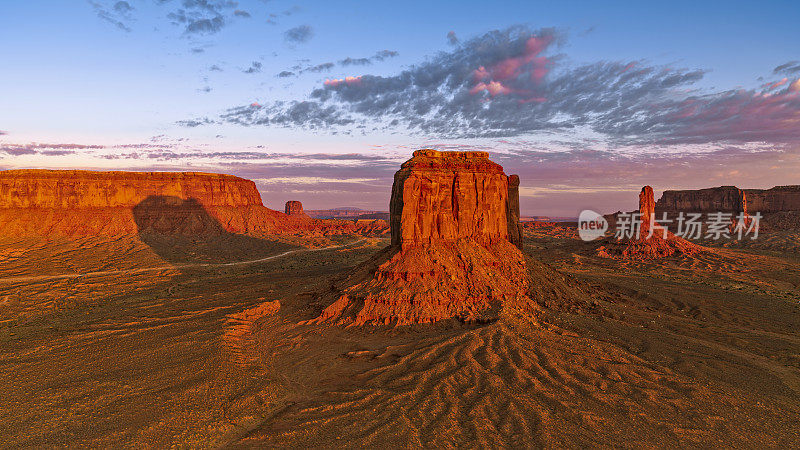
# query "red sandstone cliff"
(445, 196)
(729, 199)
(71, 202)
(777, 199)
(779, 206)
(451, 256)
(86, 189)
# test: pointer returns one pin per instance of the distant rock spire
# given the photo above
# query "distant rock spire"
(647, 208)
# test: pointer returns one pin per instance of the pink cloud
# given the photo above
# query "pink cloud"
(480, 74)
(741, 114)
(771, 86)
(495, 78)
(493, 87)
(346, 81)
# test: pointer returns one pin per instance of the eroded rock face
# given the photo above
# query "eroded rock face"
(515, 233)
(87, 189)
(647, 208)
(453, 221)
(777, 199)
(778, 206)
(79, 203)
(732, 199)
(727, 199)
(445, 196)
(294, 208)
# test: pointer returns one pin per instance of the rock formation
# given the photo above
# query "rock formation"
(73, 202)
(777, 199)
(294, 208)
(778, 206)
(726, 199)
(451, 255)
(653, 240)
(446, 196)
(647, 211)
(515, 233)
(731, 199)
(85, 189)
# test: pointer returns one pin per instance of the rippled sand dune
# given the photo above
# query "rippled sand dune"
(692, 351)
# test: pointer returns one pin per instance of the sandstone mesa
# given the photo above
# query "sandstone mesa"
(80, 203)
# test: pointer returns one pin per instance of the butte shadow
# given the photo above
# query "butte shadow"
(184, 231)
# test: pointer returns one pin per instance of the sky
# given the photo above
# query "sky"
(322, 101)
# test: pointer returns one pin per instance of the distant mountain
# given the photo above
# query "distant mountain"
(344, 213)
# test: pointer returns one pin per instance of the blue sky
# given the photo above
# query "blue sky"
(195, 85)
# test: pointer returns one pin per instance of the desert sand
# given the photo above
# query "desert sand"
(163, 338)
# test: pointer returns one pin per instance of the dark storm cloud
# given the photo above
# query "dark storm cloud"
(789, 68)
(299, 35)
(506, 83)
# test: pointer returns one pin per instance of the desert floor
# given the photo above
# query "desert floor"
(154, 341)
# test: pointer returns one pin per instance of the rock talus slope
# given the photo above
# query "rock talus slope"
(451, 254)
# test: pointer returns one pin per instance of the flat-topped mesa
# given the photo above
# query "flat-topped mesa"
(84, 203)
(454, 217)
(725, 199)
(294, 208)
(71, 189)
(776, 199)
(446, 196)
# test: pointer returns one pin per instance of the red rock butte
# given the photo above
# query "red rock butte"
(653, 240)
(445, 196)
(452, 254)
(293, 208)
(78, 202)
